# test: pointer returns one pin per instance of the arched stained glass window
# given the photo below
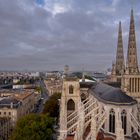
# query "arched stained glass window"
(124, 120)
(112, 121)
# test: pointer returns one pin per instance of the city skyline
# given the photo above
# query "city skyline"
(47, 34)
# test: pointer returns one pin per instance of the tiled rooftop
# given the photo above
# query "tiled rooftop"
(70, 138)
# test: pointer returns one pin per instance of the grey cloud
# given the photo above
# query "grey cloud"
(31, 37)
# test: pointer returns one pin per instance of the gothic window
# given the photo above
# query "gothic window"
(112, 121)
(103, 126)
(71, 89)
(124, 120)
(132, 130)
(70, 105)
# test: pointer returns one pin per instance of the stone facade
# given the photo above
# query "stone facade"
(5, 128)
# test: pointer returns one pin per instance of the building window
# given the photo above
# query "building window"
(103, 126)
(112, 121)
(9, 113)
(71, 89)
(70, 105)
(124, 120)
(132, 130)
(4, 113)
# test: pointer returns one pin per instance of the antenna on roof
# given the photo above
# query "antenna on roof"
(83, 74)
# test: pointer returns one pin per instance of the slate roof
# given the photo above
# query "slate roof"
(6, 102)
(111, 95)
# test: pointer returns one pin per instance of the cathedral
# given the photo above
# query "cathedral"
(97, 111)
(127, 73)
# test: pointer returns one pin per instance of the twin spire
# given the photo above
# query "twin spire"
(132, 50)
(131, 62)
(120, 54)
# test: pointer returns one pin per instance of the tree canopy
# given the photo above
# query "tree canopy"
(33, 127)
(88, 77)
(38, 89)
(52, 105)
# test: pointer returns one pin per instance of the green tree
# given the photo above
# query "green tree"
(38, 89)
(89, 77)
(33, 127)
(52, 105)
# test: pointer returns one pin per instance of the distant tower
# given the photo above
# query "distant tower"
(120, 54)
(66, 69)
(83, 77)
(132, 50)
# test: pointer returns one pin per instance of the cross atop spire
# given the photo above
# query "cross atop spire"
(132, 50)
(120, 54)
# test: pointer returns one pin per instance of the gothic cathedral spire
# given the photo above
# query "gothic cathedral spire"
(120, 54)
(132, 50)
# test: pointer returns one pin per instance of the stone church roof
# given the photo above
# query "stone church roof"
(111, 95)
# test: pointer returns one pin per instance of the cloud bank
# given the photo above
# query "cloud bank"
(47, 34)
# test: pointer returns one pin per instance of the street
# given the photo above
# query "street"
(44, 97)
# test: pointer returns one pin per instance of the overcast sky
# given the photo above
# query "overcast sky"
(47, 34)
